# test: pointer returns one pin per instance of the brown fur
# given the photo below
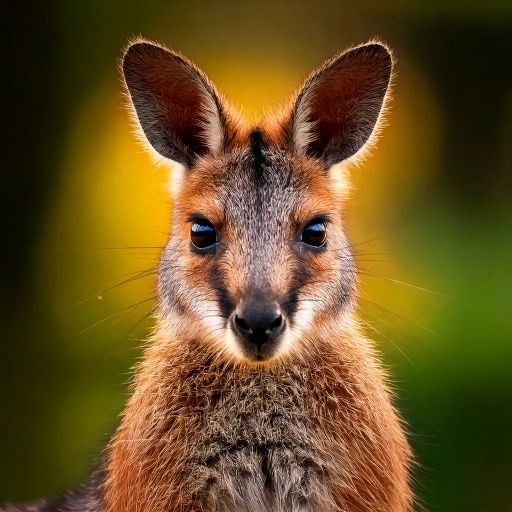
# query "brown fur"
(354, 439)
(303, 421)
(312, 427)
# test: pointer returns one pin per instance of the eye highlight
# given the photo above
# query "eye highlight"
(203, 234)
(314, 233)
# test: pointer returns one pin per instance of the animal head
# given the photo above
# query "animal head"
(257, 266)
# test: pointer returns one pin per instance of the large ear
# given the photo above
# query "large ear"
(338, 108)
(177, 107)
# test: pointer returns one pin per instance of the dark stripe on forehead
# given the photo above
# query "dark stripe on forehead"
(257, 147)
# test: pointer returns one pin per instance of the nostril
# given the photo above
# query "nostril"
(258, 322)
(276, 323)
(242, 323)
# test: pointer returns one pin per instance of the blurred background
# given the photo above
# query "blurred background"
(85, 215)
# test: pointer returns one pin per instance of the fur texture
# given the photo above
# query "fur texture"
(215, 423)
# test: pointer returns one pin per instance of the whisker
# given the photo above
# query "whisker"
(73, 249)
(109, 280)
(394, 233)
(369, 273)
(406, 320)
(398, 262)
(140, 275)
(380, 333)
(148, 313)
(115, 314)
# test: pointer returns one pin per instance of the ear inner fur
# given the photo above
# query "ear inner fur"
(339, 106)
(177, 107)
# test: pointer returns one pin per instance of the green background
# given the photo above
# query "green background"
(430, 211)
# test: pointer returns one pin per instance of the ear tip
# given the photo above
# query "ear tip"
(133, 51)
(377, 54)
(140, 47)
(378, 49)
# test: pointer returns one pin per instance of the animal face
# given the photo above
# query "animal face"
(257, 265)
(275, 259)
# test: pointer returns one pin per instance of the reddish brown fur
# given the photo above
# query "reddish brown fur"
(293, 416)
(329, 379)
(348, 401)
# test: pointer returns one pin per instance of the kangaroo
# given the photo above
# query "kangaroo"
(257, 390)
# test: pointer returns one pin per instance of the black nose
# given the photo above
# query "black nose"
(258, 321)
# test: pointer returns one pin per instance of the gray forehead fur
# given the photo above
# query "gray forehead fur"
(261, 186)
(259, 196)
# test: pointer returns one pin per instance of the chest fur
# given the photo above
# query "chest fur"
(315, 438)
(258, 451)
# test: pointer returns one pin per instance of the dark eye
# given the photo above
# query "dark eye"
(203, 234)
(314, 233)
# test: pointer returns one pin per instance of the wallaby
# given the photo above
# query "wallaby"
(257, 391)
